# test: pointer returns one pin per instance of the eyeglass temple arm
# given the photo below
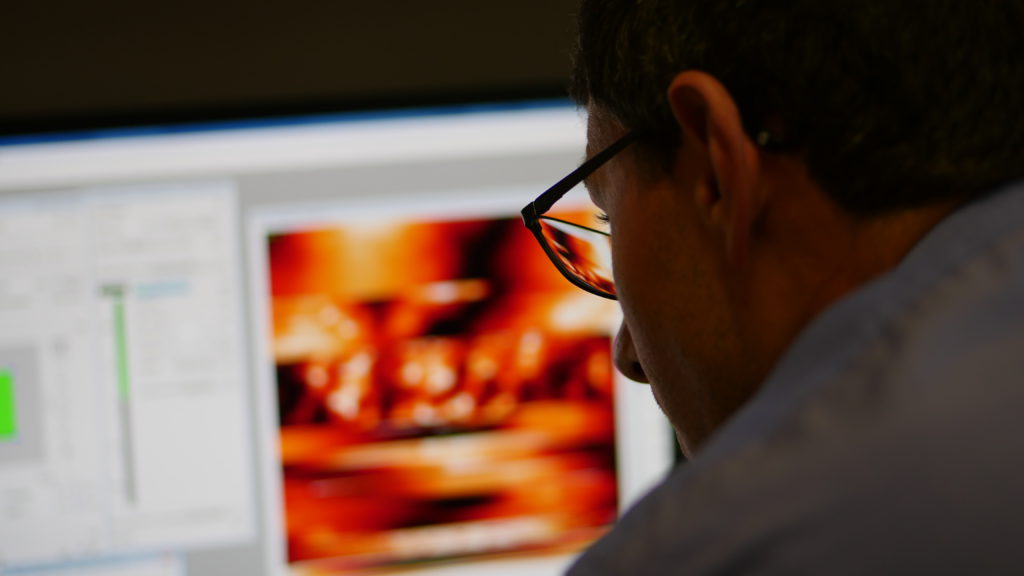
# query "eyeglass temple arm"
(545, 201)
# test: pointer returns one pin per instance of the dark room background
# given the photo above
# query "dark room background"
(86, 64)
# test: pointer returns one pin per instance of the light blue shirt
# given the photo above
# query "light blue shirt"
(889, 439)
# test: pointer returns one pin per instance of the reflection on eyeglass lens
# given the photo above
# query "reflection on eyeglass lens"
(583, 251)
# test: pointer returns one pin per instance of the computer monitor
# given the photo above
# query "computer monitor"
(311, 345)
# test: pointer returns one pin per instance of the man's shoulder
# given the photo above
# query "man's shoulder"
(848, 483)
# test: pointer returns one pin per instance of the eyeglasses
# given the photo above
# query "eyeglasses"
(582, 254)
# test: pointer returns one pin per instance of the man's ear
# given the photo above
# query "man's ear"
(709, 118)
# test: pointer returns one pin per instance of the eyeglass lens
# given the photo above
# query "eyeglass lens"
(583, 252)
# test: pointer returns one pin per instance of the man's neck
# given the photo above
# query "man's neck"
(874, 245)
(812, 253)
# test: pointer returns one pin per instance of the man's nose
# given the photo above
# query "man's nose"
(625, 356)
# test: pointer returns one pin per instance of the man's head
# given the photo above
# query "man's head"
(891, 102)
(788, 152)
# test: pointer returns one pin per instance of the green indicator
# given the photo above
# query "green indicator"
(8, 410)
(122, 347)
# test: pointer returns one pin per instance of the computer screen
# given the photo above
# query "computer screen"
(314, 345)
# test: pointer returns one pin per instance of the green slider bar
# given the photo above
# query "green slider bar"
(116, 293)
(123, 384)
(8, 410)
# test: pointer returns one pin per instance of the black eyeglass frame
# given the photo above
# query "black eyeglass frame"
(533, 211)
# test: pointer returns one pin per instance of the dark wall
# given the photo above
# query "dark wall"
(76, 64)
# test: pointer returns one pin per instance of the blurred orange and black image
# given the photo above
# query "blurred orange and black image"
(443, 394)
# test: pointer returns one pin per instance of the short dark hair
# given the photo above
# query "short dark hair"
(892, 103)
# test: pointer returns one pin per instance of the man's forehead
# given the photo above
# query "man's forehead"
(596, 130)
(602, 129)
(599, 135)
